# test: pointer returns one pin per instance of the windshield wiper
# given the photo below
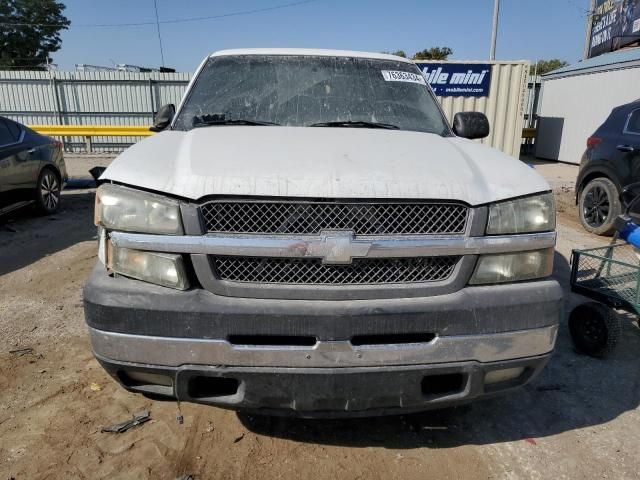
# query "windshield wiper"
(219, 119)
(356, 124)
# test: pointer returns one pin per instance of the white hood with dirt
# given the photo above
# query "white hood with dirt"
(319, 162)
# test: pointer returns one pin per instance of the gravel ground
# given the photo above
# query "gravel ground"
(580, 419)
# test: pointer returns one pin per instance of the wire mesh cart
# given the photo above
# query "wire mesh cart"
(610, 276)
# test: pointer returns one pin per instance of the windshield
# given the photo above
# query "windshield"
(307, 91)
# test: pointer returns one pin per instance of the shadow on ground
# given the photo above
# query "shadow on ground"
(26, 237)
(573, 392)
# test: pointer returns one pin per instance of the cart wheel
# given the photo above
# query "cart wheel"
(595, 329)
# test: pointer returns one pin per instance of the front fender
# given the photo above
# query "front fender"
(596, 171)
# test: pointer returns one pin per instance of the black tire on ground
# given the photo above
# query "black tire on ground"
(599, 205)
(48, 192)
(595, 329)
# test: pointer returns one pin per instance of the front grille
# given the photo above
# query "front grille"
(310, 218)
(314, 272)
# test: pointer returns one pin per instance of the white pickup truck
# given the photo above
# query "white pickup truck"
(307, 235)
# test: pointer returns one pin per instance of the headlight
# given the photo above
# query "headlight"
(524, 215)
(126, 209)
(164, 269)
(513, 267)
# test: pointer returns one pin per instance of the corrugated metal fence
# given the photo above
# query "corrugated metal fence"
(88, 98)
(125, 98)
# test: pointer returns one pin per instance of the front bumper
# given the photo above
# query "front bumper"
(326, 392)
(189, 338)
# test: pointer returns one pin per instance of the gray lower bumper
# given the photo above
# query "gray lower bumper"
(174, 352)
(326, 392)
(184, 344)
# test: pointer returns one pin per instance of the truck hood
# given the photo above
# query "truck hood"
(322, 163)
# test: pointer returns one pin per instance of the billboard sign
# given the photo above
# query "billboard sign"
(616, 23)
(458, 79)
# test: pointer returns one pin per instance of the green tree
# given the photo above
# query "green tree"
(30, 32)
(546, 66)
(398, 53)
(434, 53)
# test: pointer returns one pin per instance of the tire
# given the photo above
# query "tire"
(595, 329)
(599, 206)
(48, 192)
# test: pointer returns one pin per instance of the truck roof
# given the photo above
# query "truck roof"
(309, 52)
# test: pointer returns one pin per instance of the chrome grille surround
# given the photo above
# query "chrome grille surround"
(362, 271)
(413, 230)
(311, 217)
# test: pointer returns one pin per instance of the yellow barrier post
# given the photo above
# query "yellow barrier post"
(93, 130)
(90, 131)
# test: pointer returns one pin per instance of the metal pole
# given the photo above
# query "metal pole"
(155, 5)
(151, 100)
(56, 101)
(587, 40)
(494, 31)
(56, 97)
(533, 94)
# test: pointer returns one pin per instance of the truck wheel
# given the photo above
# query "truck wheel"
(599, 206)
(48, 192)
(595, 329)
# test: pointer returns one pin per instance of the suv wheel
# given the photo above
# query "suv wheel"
(48, 192)
(599, 206)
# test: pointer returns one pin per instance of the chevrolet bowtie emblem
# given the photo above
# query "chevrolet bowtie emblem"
(337, 248)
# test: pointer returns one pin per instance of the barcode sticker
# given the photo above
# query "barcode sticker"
(395, 76)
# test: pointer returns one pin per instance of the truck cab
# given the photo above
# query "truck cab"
(307, 235)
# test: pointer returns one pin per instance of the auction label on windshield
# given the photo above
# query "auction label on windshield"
(395, 76)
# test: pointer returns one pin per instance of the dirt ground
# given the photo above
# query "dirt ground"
(580, 419)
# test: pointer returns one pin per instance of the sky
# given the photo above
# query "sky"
(529, 30)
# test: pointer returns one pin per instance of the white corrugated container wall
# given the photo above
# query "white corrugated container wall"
(504, 107)
(579, 104)
(129, 98)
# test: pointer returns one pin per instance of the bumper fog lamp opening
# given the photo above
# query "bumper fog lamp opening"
(137, 378)
(202, 387)
(502, 375)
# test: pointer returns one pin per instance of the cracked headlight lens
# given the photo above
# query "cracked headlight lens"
(130, 210)
(523, 215)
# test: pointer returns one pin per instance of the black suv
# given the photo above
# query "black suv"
(612, 160)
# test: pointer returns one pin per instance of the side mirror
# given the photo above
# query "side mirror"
(163, 118)
(471, 125)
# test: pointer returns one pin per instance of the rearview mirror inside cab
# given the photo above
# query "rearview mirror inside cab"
(471, 125)
(163, 118)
